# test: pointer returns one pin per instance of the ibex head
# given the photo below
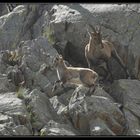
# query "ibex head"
(95, 34)
(57, 60)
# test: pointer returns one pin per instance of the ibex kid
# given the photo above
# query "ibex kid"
(75, 75)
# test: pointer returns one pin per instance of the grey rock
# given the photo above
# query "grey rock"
(127, 93)
(61, 109)
(99, 91)
(40, 81)
(39, 51)
(35, 32)
(11, 32)
(16, 76)
(57, 105)
(41, 109)
(54, 128)
(21, 130)
(9, 29)
(36, 63)
(28, 76)
(133, 127)
(6, 85)
(83, 109)
(3, 9)
(65, 98)
(98, 127)
(13, 115)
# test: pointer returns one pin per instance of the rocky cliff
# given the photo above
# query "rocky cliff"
(32, 35)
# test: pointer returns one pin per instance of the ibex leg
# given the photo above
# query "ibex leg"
(89, 63)
(54, 86)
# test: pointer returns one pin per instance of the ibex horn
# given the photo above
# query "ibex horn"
(88, 32)
(99, 29)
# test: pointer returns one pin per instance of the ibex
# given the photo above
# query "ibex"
(75, 75)
(99, 51)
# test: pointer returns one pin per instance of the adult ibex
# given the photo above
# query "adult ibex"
(75, 75)
(99, 51)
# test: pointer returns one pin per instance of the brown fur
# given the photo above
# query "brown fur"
(98, 51)
(74, 75)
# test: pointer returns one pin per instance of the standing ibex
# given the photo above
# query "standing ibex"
(98, 51)
(75, 75)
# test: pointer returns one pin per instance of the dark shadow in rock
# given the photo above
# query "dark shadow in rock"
(72, 55)
(59, 90)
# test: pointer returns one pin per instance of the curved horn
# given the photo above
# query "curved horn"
(99, 29)
(88, 32)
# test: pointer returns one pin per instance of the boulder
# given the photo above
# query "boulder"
(36, 52)
(16, 76)
(17, 25)
(59, 129)
(61, 110)
(10, 28)
(36, 63)
(6, 85)
(132, 126)
(3, 9)
(98, 127)
(40, 109)
(14, 117)
(127, 92)
(84, 109)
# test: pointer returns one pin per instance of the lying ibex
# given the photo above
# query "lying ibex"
(75, 75)
(98, 51)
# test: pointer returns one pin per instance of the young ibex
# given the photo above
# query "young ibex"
(98, 51)
(75, 75)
